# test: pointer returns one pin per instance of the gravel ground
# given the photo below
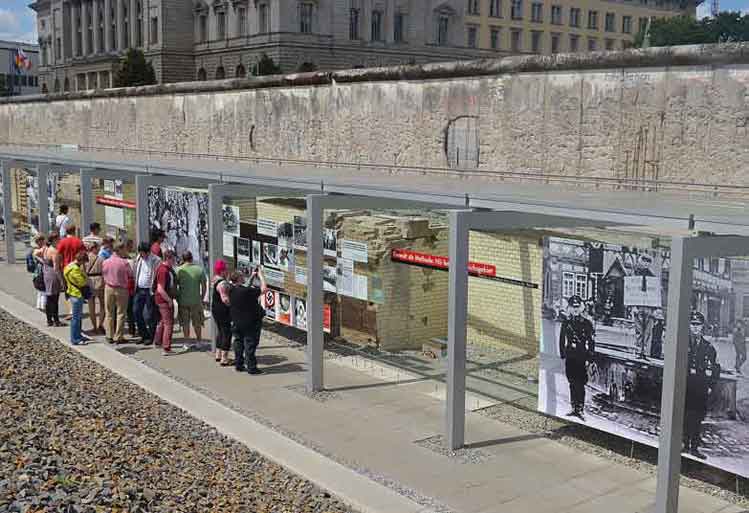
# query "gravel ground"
(75, 437)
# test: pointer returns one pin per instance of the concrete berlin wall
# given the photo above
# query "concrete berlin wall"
(658, 114)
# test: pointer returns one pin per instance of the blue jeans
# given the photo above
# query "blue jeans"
(143, 313)
(75, 322)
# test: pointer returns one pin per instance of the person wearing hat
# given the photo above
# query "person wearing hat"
(576, 347)
(702, 359)
(656, 338)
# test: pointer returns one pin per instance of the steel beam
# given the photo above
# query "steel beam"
(10, 227)
(456, 328)
(674, 377)
(315, 335)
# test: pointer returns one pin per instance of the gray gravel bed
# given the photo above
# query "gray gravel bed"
(76, 437)
(465, 455)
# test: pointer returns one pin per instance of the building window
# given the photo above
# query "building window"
(536, 41)
(399, 26)
(242, 22)
(376, 25)
(126, 27)
(643, 2)
(494, 38)
(202, 75)
(555, 43)
(264, 18)
(609, 44)
(58, 49)
(203, 27)
(517, 10)
(100, 28)
(305, 18)
(642, 24)
(220, 73)
(473, 7)
(472, 30)
(556, 14)
(221, 25)
(154, 33)
(592, 44)
(89, 30)
(714, 265)
(78, 36)
(593, 20)
(610, 22)
(574, 43)
(568, 285)
(627, 24)
(574, 17)
(113, 29)
(139, 24)
(443, 24)
(515, 36)
(495, 8)
(353, 24)
(537, 12)
(240, 72)
(581, 286)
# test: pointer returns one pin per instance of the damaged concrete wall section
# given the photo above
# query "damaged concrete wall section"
(641, 115)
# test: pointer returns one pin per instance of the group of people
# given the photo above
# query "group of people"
(119, 284)
(140, 287)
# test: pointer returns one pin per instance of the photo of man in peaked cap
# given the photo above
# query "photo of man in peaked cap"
(576, 348)
(704, 371)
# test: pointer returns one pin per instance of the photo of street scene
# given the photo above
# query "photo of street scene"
(603, 339)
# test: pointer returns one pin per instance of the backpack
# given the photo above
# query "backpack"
(171, 285)
(31, 262)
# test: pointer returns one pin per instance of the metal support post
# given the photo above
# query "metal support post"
(10, 227)
(42, 174)
(141, 209)
(87, 200)
(315, 337)
(456, 326)
(674, 377)
(215, 224)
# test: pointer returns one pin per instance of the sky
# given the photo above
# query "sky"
(18, 23)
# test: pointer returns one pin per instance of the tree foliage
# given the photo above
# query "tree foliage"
(685, 30)
(266, 66)
(135, 70)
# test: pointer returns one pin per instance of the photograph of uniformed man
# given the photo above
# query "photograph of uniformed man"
(576, 348)
(704, 371)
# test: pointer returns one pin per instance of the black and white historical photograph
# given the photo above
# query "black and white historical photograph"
(329, 242)
(270, 255)
(183, 215)
(243, 250)
(285, 258)
(285, 235)
(231, 219)
(604, 337)
(256, 258)
(300, 313)
(300, 233)
(329, 278)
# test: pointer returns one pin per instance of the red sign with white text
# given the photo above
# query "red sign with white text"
(439, 262)
(114, 202)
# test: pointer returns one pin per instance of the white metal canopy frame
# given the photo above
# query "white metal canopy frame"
(491, 206)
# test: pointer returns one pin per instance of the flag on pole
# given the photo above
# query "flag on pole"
(22, 61)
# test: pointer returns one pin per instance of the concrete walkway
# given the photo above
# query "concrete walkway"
(373, 426)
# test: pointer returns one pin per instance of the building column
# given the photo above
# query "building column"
(74, 11)
(96, 21)
(133, 15)
(10, 227)
(315, 335)
(457, 317)
(108, 26)
(85, 7)
(42, 173)
(120, 25)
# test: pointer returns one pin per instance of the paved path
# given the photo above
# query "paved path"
(373, 426)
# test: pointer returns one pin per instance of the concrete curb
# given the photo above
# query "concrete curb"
(356, 490)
